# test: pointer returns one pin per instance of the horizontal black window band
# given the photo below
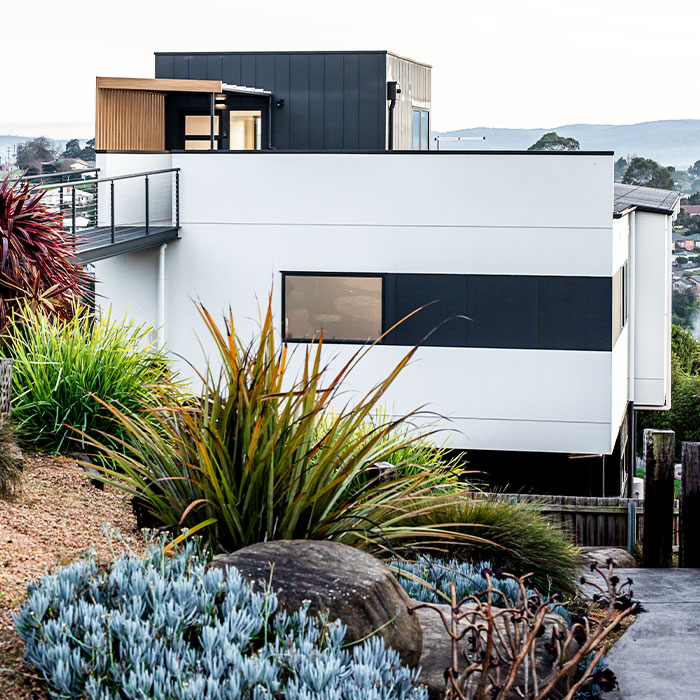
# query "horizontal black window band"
(529, 312)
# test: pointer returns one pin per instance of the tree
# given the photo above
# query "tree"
(648, 173)
(88, 153)
(695, 169)
(684, 416)
(553, 142)
(31, 154)
(681, 260)
(620, 167)
(72, 149)
(694, 198)
(684, 305)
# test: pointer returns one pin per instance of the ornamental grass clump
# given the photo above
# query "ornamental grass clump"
(162, 627)
(37, 265)
(263, 454)
(62, 368)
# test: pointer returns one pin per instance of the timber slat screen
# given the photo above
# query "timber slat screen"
(592, 521)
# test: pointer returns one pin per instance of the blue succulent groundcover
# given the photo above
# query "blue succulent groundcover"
(161, 628)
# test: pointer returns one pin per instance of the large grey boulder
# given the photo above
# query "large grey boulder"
(621, 558)
(345, 582)
(437, 649)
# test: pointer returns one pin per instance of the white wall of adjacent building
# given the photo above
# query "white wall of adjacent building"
(246, 217)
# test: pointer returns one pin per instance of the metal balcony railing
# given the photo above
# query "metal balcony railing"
(108, 216)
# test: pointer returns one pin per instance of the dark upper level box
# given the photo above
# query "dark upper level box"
(321, 101)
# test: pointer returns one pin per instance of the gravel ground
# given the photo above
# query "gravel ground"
(55, 519)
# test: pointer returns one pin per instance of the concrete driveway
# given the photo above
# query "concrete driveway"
(658, 658)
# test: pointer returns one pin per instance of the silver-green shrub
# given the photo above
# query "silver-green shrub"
(163, 629)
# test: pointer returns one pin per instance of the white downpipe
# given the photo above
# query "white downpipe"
(161, 296)
(632, 296)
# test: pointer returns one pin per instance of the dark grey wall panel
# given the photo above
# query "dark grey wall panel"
(333, 105)
(299, 100)
(332, 101)
(281, 116)
(214, 67)
(164, 66)
(198, 67)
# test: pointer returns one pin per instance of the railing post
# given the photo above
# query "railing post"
(689, 526)
(73, 213)
(177, 199)
(147, 217)
(659, 450)
(111, 206)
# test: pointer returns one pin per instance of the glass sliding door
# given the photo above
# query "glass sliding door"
(245, 128)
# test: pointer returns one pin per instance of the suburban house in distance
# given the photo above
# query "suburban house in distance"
(230, 174)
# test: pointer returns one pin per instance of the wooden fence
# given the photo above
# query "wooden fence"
(610, 522)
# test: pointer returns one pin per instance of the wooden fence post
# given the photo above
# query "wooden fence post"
(689, 536)
(659, 451)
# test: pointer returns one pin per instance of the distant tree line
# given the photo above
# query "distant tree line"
(41, 154)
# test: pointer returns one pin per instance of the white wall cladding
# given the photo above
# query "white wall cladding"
(652, 327)
(130, 194)
(246, 217)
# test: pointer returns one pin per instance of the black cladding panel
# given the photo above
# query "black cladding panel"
(332, 101)
(440, 322)
(504, 311)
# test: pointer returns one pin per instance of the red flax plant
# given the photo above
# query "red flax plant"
(495, 640)
(37, 265)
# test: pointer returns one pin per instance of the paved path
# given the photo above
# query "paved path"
(658, 657)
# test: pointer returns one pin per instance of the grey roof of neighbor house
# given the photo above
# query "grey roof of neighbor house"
(630, 197)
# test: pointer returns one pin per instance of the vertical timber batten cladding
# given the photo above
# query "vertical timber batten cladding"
(322, 101)
(130, 112)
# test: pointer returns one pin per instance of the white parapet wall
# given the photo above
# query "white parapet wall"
(246, 217)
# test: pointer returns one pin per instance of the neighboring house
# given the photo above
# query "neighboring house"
(694, 282)
(74, 164)
(534, 358)
(692, 209)
(689, 243)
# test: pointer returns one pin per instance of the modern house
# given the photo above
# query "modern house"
(232, 174)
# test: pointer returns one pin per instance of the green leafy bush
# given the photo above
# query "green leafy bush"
(263, 455)
(10, 464)
(164, 627)
(684, 416)
(62, 366)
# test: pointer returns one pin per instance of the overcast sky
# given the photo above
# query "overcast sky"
(498, 63)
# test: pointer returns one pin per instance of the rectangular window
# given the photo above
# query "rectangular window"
(421, 130)
(620, 299)
(345, 308)
(198, 132)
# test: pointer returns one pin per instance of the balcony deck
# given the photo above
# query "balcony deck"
(96, 243)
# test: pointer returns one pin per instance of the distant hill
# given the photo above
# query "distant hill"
(670, 142)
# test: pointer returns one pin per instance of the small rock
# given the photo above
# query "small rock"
(621, 558)
(345, 582)
(86, 463)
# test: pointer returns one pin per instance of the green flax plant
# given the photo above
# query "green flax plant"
(265, 455)
(62, 368)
